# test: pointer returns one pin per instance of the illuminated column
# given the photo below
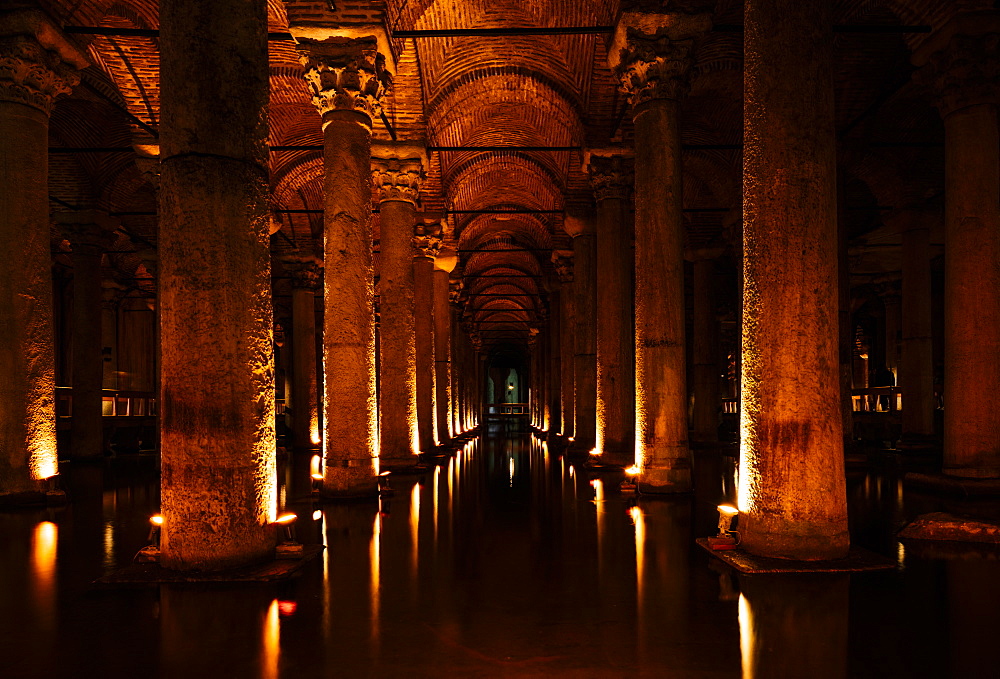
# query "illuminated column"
(444, 264)
(89, 233)
(652, 55)
(916, 370)
(584, 233)
(792, 489)
(346, 78)
(553, 372)
(37, 65)
(705, 350)
(398, 173)
(218, 484)
(962, 61)
(306, 279)
(109, 334)
(611, 177)
(563, 262)
(426, 247)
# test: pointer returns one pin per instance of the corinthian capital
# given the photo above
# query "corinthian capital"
(427, 241)
(38, 64)
(345, 74)
(652, 53)
(961, 64)
(610, 175)
(397, 178)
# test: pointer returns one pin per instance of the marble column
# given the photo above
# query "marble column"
(961, 61)
(37, 65)
(426, 246)
(347, 80)
(306, 280)
(611, 177)
(653, 56)
(563, 262)
(705, 351)
(792, 495)
(90, 233)
(397, 171)
(444, 264)
(916, 370)
(217, 389)
(553, 371)
(584, 232)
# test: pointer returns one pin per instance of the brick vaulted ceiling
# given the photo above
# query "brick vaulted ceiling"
(519, 90)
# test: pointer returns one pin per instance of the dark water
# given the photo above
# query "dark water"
(503, 562)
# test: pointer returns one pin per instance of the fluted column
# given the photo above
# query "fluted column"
(217, 389)
(611, 177)
(426, 246)
(562, 261)
(90, 234)
(584, 233)
(398, 172)
(792, 495)
(347, 79)
(37, 65)
(306, 280)
(963, 62)
(444, 264)
(653, 56)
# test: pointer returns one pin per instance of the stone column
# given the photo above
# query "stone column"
(398, 172)
(584, 233)
(37, 65)
(553, 371)
(611, 177)
(562, 260)
(219, 482)
(892, 299)
(705, 351)
(652, 54)
(347, 79)
(306, 280)
(792, 495)
(916, 370)
(962, 62)
(109, 333)
(426, 246)
(89, 233)
(444, 264)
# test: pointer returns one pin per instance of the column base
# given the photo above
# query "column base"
(666, 480)
(947, 484)
(400, 465)
(350, 479)
(917, 443)
(780, 538)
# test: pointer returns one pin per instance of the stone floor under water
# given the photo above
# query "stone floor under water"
(505, 561)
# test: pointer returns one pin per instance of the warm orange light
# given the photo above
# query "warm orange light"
(317, 477)
(286, 518)
(156, 519)
(317, 515)
(633, 470)
(728, 510)
(272, 641)
(315, 466)
(594, 451)
(287, 608)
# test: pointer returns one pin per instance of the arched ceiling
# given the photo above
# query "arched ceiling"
(507, 91)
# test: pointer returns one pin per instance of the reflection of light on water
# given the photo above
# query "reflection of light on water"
(598, 486)
(375, 559)
(109, 544)
(746, 637)
(272, 642)
(317, 515)
(640, 541)
(44, 545)
(314, 466)
(326, 577)
(437, 487)
(900, 555)
(510, 467)
(415, 522)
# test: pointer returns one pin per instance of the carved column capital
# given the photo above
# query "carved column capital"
(38, 64)
(455, 286)
(427, 245)
(345, 74)
(611, 176)
(397, 178)
(961, 64)
(652, 53)
(562, 261)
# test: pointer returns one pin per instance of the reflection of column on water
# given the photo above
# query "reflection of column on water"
(794, 625)
(44, 550)
(195, 619)
(973, 599)
(615, 587)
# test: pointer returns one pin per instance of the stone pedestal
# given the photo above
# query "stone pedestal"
(346, 79)
(90, 233)
(611, 177)
(426, 247)
(584, 233)
(39, 65)
(218, 484)
(962, 62)
(792, 496)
